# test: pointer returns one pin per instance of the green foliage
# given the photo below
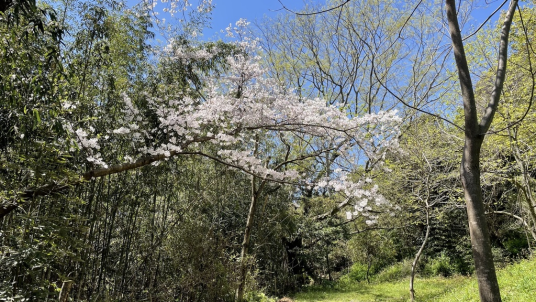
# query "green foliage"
(508, 161)
(394, 272)
(132, 235)
(517, 284)
(372, 251)
(515, 245)
(358, 272)
(427, 290)
(439, 266)
(174, 232)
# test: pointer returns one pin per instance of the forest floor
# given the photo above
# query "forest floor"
(517, 281)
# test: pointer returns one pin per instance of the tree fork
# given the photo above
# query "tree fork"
(475, 132)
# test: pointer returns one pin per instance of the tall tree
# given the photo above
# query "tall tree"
(475, 128)
(475, 132)
(512, 152)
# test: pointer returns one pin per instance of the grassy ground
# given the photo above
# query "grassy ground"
(518, 284)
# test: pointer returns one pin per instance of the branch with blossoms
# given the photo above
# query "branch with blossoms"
(223, 125)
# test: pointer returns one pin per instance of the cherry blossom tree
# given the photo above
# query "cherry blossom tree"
(232, 109)
(226, 119)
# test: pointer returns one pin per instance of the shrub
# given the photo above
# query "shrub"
(358, 272)
(440, 266)
(396, 271)
(462, 266)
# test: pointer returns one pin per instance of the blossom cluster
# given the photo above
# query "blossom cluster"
(237, 107)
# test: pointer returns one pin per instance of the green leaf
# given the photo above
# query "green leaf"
(36, 115)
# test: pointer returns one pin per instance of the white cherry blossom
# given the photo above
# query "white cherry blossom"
(242, 104)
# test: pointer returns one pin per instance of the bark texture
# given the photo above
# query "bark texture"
(475, 132)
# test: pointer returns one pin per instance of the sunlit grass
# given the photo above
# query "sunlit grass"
(518, 283)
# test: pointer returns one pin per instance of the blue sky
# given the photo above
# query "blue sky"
(229, 11)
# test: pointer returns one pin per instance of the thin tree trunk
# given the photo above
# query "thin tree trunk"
(418, 255)
(526, 186)
(369, 265)
(65, 289)
(328, 266)
(245, 244)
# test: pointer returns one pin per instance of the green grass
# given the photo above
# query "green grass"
(518, 284)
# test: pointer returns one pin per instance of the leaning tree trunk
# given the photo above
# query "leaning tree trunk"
(418, 255)
(65, 289)
(475, 132)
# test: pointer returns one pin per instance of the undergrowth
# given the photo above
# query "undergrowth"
(517, 282)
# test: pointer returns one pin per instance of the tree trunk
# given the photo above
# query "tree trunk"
(65, 289)
(526, 185)
(328, 267)
(475, 132)
(418, 255)
(245, 243)
(478, 229)
(369, 265)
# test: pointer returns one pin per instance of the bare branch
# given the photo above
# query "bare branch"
(314, 13)
(511, 215)
(413, 107)
(407, 19)
(485, 21)
(525, 224)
